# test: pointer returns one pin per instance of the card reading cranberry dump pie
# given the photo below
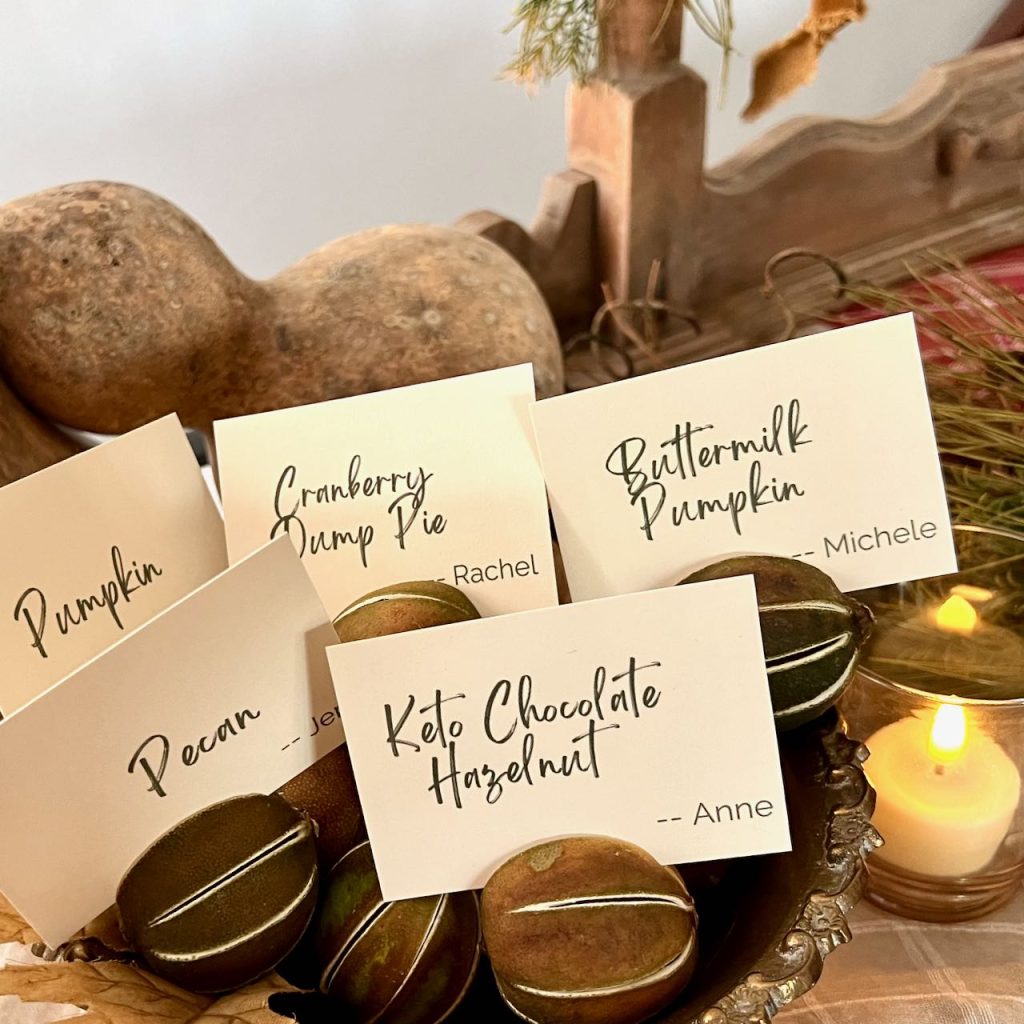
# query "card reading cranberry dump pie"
(435, 481)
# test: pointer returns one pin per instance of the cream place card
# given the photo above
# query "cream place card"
(227, 692)
(645, 717)
(95, 546)
(435, 481)
(820, 448)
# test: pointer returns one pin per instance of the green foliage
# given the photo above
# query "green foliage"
(977, 393)
(555, 36)
(561, 35)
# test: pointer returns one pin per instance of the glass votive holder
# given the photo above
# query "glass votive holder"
(939, 702)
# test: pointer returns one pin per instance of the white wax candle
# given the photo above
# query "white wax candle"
(940, 816)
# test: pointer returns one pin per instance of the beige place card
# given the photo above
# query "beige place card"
(820, 448)
(436, 481)
(227, 692)
(645, 717)
(95, 546)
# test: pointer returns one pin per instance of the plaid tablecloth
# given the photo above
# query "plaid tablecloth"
(894, 972)
(908, 972)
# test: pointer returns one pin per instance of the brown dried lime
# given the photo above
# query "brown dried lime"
(401, 607)
(588, 930)
(223, 896)
(326, 791)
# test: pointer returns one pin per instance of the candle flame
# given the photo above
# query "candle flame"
(948, 735)
(957, 614)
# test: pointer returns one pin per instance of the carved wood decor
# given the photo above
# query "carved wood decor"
(944, 169)
(1008, 24)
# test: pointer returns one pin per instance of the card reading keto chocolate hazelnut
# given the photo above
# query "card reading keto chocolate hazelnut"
(820, 448)
(646, 717)
(225, 693)
(437, 481)
(95, 546)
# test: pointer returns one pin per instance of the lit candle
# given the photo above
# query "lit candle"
(949, 648)
(946, 793)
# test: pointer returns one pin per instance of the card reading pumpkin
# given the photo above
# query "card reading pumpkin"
(95, 546)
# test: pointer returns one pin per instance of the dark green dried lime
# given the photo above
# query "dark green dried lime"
(223, 896)
(406, 962)
(811, 631)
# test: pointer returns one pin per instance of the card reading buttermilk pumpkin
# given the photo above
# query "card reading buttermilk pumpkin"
(225, 693)
(820, 448)
(434, 481)
(645, 717)
(95, 546)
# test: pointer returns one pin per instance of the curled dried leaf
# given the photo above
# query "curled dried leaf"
(249, 1005)
(12, 927)
(790, 63)
(111, 993)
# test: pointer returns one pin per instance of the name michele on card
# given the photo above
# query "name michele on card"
(95, 546)
(435, 481)
(646, 717)
(820, 449)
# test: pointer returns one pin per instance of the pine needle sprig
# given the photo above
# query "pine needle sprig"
(557, 36)
(976, 388)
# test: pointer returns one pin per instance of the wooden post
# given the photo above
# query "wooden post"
(637, 128)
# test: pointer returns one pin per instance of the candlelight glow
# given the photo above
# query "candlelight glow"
(957, 614)
(976, 595)
(949, 733)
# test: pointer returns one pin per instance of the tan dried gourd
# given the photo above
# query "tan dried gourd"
(117, 308)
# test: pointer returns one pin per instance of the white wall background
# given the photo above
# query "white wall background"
(282, 125)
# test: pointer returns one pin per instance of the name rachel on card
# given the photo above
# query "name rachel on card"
(645, 717)
(820, 448)
(435, 481)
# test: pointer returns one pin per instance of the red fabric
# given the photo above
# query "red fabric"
(1005, 269)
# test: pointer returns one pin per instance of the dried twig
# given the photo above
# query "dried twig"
(637, 322)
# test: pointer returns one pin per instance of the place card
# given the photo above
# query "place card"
(434, 481)
(225, 693)
(95, 546)
(645, 717)
(820, 449)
